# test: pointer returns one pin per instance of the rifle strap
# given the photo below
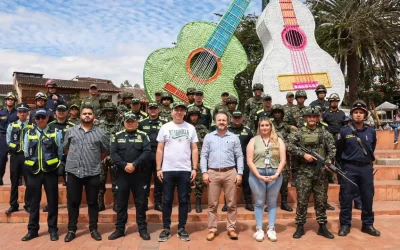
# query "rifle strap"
(361, 142)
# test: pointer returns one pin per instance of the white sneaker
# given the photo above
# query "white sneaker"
(272, 235)
(259, 235)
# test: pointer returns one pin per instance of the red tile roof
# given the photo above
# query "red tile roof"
(5, 88)
(138, 93)
(80, 83)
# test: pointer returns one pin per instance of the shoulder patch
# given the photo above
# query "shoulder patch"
(120, 132)
(260, 111)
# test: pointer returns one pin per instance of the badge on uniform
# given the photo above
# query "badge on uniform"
(267, 161)
(15, 137)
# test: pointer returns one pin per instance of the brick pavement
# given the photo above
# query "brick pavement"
(11, 234)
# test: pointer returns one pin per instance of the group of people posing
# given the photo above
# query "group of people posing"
(181, 145)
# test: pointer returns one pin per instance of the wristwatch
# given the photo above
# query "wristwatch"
(278, 174)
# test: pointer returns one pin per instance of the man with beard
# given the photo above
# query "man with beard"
(8, 115)
(177, 161)
(321, 102)
(356, 145)
(151, 126)
(220, 156)
(86, 145)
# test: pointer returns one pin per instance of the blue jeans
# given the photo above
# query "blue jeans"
(181, 180)
(395, 127)
(265, 192)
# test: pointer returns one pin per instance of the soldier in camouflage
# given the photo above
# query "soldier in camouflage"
(205, 111)
(157, 98)
(111, 126)
(92, 99)
(289, 100)
(321, 102)
(122, 109)
(283, 129)
(73, 115)
(312, 178)
(127, 98)
(165, 110)
(190, 94)
(266, 111)
(223, 106)
(253, 104)
(140, 114)
(103, 99)
(193, 116)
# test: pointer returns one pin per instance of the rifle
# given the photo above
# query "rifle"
(321, 162)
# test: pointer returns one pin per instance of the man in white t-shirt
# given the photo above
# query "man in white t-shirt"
(176, 153)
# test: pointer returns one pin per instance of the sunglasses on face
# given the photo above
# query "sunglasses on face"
(40, 117)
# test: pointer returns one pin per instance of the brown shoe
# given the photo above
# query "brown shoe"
(211, 236)
(233, 235)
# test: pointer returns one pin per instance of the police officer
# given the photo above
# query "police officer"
(43, 151)
(165, 110)
(321, 102)
(205, 111)
(92, 99)
(266, 111)
(310, 177)
(73, 114)
(356, 145)
(15, 139)
(136, 109)
(53, 99)
(193, 116)
(7, 115)
(333, 116)
(244, 133)
(61, 124)
(111, 126)
(151, 125)
(223, 106)
(190, 95)
(253, 104)
(40, 102)
(130, 149)
(283, 130)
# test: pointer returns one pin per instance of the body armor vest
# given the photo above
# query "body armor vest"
(313, 140)
(17, 137)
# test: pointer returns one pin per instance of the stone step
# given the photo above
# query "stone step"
(387, 153)
(388, 190)
(387, 161)
(386, 172)
(385, 140)
(153, 216)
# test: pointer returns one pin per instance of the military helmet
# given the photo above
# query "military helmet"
(127, 95)
(334, 97)
(166, 95)
(311, 110)
(320, 88)
(300, 93)
(190, 91)
(105, 97)
(277, 107)
(258, 86)
(109, 106)
(40, 95)
(231, 99)
(193, 110)
(123, 109)
(10, 95)
(359, 104)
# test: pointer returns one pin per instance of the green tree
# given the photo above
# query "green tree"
(125, 84)
(359, 34)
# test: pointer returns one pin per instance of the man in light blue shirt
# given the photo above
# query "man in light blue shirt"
(223, 154)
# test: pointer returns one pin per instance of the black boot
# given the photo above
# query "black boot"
(323, 231)
(249, 206)
(329, 207)
(198, 205)
(370, 230)
(284, 205)
(344, 230)
(299, 231)
(224, 208)
(102, 207)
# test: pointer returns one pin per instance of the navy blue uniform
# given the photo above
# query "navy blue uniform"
(5, 119)
(359, 169)
(334, 119)
(52, 104)
(323, 105)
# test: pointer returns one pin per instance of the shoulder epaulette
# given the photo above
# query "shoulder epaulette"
(143, 113)
(120, 132)
(190, 105)
(52, 122)
(260, 111)
(145, 119)
(323, 124)
(141, 132)
(247, 127)
(207, 107)
(70, 123)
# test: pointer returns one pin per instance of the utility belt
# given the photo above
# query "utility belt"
(357, 163)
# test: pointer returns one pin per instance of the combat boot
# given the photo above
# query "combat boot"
(299, 231)
(323, 231)
(102, 207)
(198, 205)
(284, 205)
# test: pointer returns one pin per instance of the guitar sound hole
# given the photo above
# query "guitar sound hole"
(204, 65)
(294, 38)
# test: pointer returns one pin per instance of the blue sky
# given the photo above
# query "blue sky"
(96, 38)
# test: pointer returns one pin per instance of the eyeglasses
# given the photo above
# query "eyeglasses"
(40, 117)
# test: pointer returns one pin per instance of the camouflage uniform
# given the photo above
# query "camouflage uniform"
(202, 131)
(122, 107)
(140, 114)
(261, 113)
(205, 114)
(103, 99)
(90, 101)
(311, 178)
(190, 91)
(252, 105)
(165, 112)
(111, 128)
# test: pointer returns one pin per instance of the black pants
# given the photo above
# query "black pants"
(364, 178)
(50, 182)
(135, 183)
(74, 196)
(3, 155)
(245, 185)
(151, 170)
(181, 180)
(16, 169)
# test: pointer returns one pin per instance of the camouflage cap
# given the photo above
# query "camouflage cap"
(199, 92)
(277, 107)
(311, 110)
(127, 95)
(105, 97)
(179, 104)
(153, 105)
(74, 106)
(190, 91)
(300, 93)
(224, 94)
(109, 106)
(289, 94)
(258, 86)
(267, 97)
(135, 100)
(193, 110)
(166, 95)
(231, 99)
(237, 113)
(129, 116)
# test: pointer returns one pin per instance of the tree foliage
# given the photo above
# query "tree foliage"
(125, 84)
